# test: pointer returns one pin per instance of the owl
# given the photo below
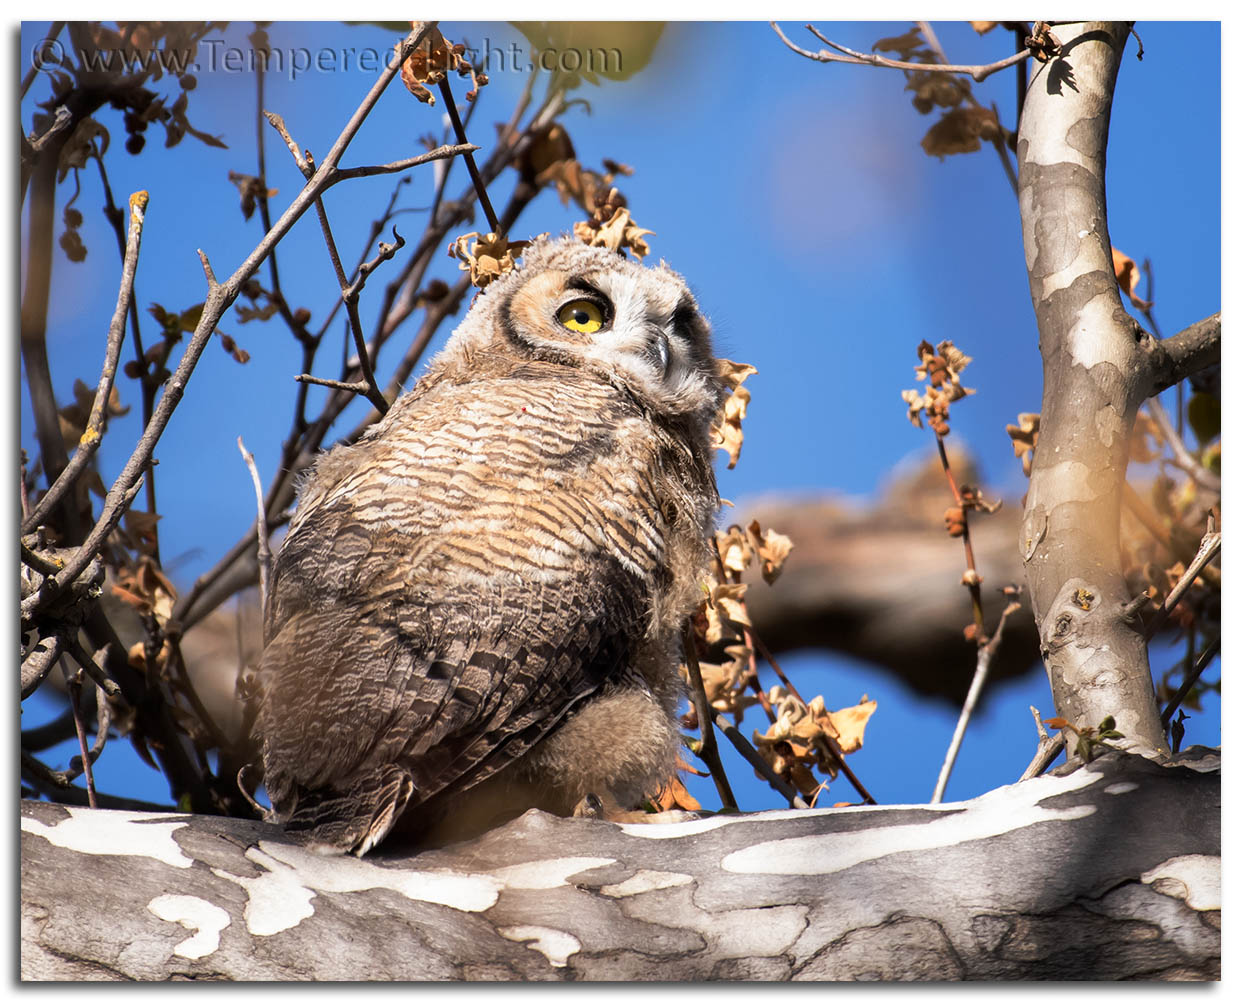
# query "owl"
(478, 607)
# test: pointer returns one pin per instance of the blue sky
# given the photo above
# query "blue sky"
(794, 197)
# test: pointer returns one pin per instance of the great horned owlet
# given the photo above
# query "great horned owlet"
(478, 606)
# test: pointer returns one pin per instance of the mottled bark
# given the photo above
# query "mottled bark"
(1099, 366)
(1111, 872)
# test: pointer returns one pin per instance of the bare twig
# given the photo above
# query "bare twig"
(459, 130)
(1039, 723)
(998, 140)
(1049, 748)
(1182, 458)
(94, 667)
(61, 120)
(75, 691)
(39, 661)
(219, 298)
(233, 571)
(972, 579)
(833, 746)
(42, 737)
(42, 564)
(1192, 677)
(52, 32)
(982, 663)
(115, 505)
(350, 291)
(265, 552)
(349, 295)
(707, 746)
(93, 435)
(1208, 549)
(463, 148)
(360, 387)
(747, 751)
(846, 55)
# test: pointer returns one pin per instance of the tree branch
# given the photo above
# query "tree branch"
(1095, 653)
(1208, 549)
(982, 663)
(707, 746)
(1187, 352)
(219, 298)
(265, 551)
(910, 893)
(849, 56)
(93, 436)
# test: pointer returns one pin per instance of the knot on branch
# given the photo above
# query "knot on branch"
(1071, 616)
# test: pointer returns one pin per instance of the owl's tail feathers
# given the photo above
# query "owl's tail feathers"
(354, 819)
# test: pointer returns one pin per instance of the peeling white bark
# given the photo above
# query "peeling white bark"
(1099, 366)
(1110, 872)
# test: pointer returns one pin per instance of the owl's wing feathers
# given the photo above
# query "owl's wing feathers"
(390, 693)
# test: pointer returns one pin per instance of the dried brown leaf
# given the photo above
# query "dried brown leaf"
(772, 548)
(1128, 276)
(487, 258)
(961, 130)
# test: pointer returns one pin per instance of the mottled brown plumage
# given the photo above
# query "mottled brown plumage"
(477, 607)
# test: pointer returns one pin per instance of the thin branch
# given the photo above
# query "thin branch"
(219, 299)
(1047, 752)
(42, 564)
(231, 573)
(147, 378)
(982, 664)
(1192, 677)
(64, 792)
(349, 296)
(361, 387)
(1184, 461)
(998, 140)
(462, 148)
(40, 49)
(833, 746)
(349, 292)
(265, 552)
(41, 738)
(747, 751)
(40, 661)
(61, 120)
(707, 746)
(972, 578)
(1208, 549)
(846, 55)
(94, 667)
(75, 690)
(115, 505)
(459, 130)
(35, 300)
(93, 435)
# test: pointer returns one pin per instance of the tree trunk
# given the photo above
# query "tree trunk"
(1099, 366)
(1110, 872)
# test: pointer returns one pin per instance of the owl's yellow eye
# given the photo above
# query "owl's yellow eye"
(581, 315)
